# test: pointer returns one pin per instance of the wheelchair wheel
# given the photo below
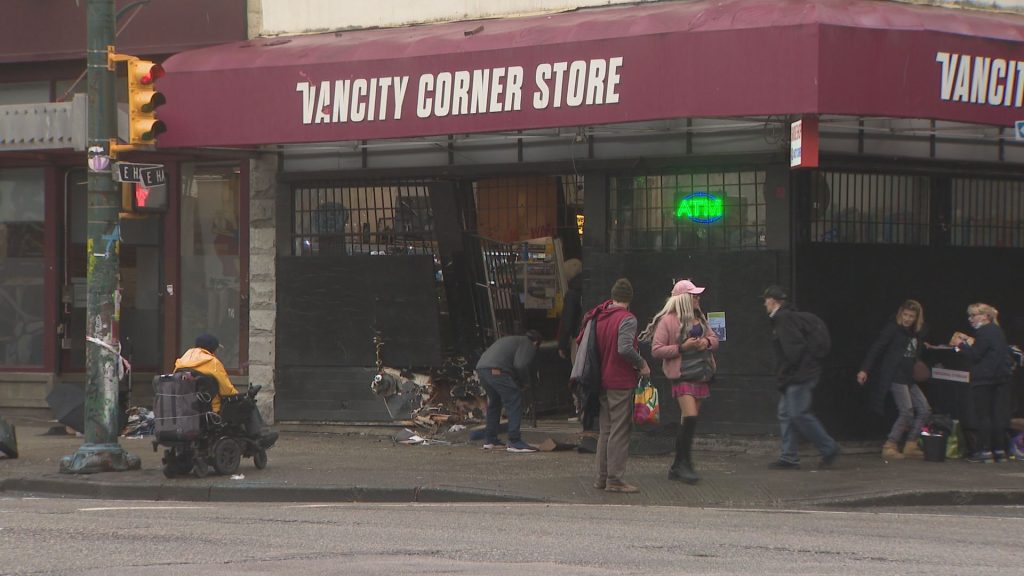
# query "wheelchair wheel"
(259, 459)
(227, 454)
(200, 467)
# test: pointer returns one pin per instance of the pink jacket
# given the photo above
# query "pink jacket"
(665, 345)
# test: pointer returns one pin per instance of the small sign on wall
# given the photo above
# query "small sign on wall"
(716, 320)
(803, 142)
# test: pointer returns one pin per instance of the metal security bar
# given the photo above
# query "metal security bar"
(370, 218)
(988, 213)
(714, 210)
(869, 208)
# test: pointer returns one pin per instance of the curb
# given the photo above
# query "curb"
(235, 493)
(931, 498)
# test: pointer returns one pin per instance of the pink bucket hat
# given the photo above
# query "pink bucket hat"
(686, 287)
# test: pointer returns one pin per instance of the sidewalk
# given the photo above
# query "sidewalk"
(363, 464)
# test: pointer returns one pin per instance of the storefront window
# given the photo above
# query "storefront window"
(695, 211)
(22, 217)
(332, 220)
(210, 257)
(988, 213)
(869, 208)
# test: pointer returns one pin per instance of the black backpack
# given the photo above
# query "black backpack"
(815, 332)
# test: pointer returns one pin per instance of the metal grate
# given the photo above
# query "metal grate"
(720, 210)
(988, 213)
(869, 208)
(373, 219)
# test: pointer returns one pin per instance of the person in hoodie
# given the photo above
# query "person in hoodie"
(203, 358)
(621, 367)
(891, 359)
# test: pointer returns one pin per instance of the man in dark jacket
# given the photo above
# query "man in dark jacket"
(504, 368)
(798, 373)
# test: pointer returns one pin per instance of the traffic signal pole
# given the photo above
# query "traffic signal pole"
(101, 451)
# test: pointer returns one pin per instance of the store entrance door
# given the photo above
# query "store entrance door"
(141, 265)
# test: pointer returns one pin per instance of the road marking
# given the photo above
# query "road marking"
(109, 508)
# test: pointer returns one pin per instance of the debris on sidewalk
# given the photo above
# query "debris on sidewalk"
(434, 399)
(141, 422)
(407, 436)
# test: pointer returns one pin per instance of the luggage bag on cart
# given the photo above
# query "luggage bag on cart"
(178, 407)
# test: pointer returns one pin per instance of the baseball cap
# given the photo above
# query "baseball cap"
(686, 287)
(775, 293)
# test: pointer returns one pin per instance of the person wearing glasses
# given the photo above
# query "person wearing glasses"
(991, 368)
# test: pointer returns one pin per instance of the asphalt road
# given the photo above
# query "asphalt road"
(94, 537)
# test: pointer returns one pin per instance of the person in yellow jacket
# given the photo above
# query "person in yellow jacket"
(203, 358)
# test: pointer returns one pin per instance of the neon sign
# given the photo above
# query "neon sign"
(701, 207)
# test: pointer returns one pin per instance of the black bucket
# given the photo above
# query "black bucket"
(934, 448)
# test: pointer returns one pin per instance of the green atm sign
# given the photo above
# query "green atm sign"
(700, 207)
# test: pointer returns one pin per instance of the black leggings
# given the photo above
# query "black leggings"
(991, 415)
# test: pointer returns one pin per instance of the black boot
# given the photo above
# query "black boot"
(682, 467)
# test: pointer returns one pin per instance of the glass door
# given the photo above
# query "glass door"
(141, 266)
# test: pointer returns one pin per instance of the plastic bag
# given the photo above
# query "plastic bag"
(646, 409)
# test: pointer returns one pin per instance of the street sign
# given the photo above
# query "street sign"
(153, 176)
(1018, 129)
(131, 172)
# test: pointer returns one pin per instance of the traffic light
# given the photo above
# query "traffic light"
(143, 100)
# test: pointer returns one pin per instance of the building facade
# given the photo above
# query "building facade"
(183, 269)
(390, 180)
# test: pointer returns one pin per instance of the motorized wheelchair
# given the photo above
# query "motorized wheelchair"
(195, 437)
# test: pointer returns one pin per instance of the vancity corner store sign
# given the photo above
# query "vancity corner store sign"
(310, 89)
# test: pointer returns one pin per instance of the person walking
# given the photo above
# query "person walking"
(991, 369)
(569, 324)
(894, 354)
(504, 368)
(678, 331)
(798, 372)
(621, 366)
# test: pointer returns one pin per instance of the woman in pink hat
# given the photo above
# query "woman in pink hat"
(681, 330)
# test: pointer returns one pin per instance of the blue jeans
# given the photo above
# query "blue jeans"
(796, 420)
(502, 390)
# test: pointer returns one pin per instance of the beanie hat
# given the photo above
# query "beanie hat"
(208, 342)
(622, 291)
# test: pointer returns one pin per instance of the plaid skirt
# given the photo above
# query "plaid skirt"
(698, 390)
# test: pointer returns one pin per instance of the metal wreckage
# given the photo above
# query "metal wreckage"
(441, 397)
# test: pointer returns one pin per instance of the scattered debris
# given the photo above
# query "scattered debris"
(407, 436)
(433, 400)
(238, 476)
(141, 422)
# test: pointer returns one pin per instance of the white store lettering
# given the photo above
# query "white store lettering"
(447, 93)
(353, 100)
(981, 79)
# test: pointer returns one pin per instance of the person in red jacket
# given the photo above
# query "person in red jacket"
(621, 366)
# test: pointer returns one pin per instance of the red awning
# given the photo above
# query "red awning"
(601, 66)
